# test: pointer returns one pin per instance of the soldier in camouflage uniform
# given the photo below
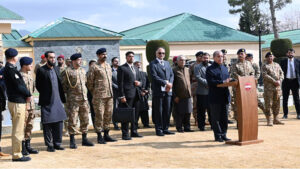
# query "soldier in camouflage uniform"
(256, 68)
(26, 66)
(227, 64)
(42, 63)
(242, 68)
(99, 83)
(74, 85)
(273, 76)
(194, 83)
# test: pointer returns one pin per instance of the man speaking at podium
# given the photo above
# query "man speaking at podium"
(218, 97)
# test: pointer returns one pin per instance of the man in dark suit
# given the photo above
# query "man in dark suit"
(291, 81)
(218, 97)
(162, 82)
(48, 83)
(114, 67)
(129, 83)
(144, 106)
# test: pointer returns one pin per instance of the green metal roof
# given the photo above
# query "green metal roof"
(186, 27)
(67, 28)
(133, 42)
(8, 16)
(293, 35)
(13, 39)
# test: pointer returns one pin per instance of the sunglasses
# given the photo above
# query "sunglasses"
(161, 53)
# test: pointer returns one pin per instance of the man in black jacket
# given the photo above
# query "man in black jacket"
(48, 83)
(129, 82)
(114, 67)
(18, 95)
(291, 81)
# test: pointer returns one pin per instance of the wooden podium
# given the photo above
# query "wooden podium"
(246, 103)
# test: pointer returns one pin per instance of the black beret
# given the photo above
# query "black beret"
(25, 61)
(268, 54)
(224, 51)
(250, 55)
(241, 50)
(75, 56)
(199, 53)
(100, 51)
(11, 52)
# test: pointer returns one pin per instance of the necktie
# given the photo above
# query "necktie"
(133, 71)
(291, 70)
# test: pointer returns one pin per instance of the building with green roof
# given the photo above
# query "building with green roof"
(66, 36)
(188, 34)
(293, 35)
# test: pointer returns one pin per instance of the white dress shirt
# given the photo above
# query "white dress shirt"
(288, 73)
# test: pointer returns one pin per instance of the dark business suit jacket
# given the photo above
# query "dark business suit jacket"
(160, 74)
(44, 85)
(115, 83)
(284, 67)
(126, 87)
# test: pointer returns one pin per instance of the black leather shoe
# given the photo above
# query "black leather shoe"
(160, 133)
(188, 130)
(29, 148)
(22, 159)
(59, 148)
(100, 139)
(285, 116)
(24, 150)
(298, 116)
(167, 132)
(126, 137)
(219, 139)
(180, 131)
(135, 134)
(50, 149)
(225, 138)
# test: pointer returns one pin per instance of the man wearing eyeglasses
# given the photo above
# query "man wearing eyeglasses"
(162, 82)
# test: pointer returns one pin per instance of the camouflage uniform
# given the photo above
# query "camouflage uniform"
(99, 82)
(29, 116)
(194, 85)
(38, 66)
(271, 74)
(256, 76)
(240, 69)
(74, 84)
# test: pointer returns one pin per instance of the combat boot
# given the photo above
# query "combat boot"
(276, 121)
(107, 137)
(85, 141)
(72, 142)
(29, 148)
(24, 150)
(100, 139)
(269, 121)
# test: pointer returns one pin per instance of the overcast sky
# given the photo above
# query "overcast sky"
(119, 15)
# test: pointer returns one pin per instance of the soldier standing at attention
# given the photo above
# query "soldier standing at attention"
(249, 57)
(194, 82)
(241, 68)
(42, 63)
(273, 76)
(99, 83)
(18, 95)
(26, 66)
(73, 81)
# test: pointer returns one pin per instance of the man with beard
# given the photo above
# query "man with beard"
(100, 84)
(291, 81)
(48, 83)
(129, 83)
(73, 81)
(202, 92)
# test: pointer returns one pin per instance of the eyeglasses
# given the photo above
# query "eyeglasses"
(161, 53)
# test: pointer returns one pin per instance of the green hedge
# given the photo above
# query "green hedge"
(153, 45)
(279, 47)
